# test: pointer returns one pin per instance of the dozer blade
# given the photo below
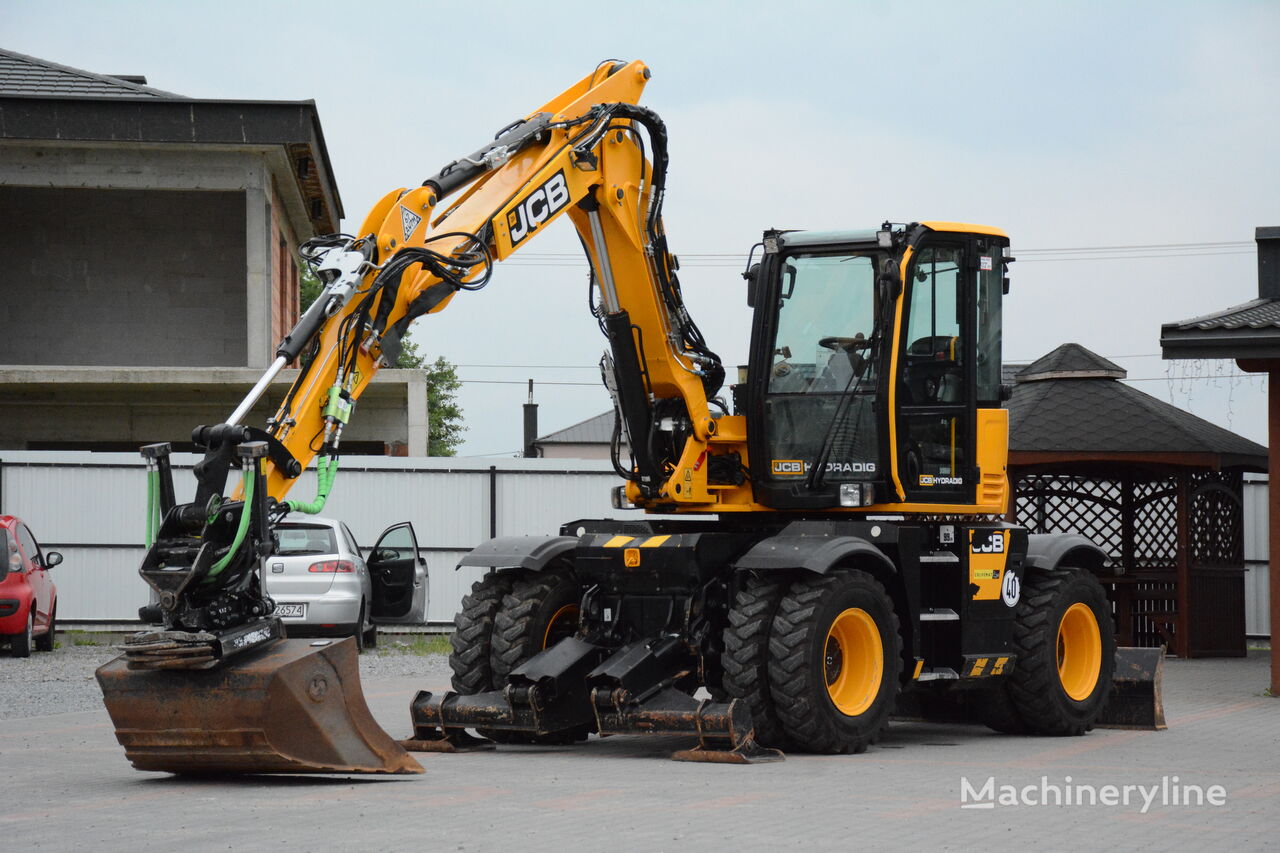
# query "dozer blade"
(292, 708)
(1137, 692)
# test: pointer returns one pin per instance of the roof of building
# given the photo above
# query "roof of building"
(1247, 331)
(28, 75)
(1071, 401)
(42, 101)
(594, 430)
(1070, 361)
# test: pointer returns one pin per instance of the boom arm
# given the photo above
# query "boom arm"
(582, 153)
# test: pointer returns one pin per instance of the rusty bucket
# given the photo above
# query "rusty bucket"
(293, 708)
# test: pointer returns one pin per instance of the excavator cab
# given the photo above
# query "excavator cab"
(875, 368)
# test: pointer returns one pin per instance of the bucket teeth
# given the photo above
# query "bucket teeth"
(289, 708)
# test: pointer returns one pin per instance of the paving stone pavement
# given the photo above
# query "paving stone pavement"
(69, 786)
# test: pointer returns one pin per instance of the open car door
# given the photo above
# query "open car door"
(398, 573)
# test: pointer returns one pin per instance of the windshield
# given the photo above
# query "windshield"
(309, 540)
(824, 323)
(823, 370)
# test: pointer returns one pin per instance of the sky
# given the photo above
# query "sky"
(1128, 148)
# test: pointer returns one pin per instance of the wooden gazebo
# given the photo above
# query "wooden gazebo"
(1157, 487)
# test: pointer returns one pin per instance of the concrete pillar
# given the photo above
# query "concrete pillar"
(258, 255)
(417, 422)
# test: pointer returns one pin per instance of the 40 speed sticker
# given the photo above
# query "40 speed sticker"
(1011, 589)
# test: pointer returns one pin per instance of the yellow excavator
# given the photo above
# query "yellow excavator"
(845, 544)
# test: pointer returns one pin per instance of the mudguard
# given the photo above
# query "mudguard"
(1047, 551)
(519, 552)
(817, 553)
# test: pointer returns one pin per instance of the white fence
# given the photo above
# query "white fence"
(91, 507)
(1257, 615)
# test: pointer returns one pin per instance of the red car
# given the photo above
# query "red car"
(28, 598)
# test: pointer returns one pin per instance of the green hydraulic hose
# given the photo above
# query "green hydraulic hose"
(153, 509)
(246, 511)
(326, 471)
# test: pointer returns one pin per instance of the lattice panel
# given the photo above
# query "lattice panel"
(1217, 519)
(1155, 524)
(1047, 503)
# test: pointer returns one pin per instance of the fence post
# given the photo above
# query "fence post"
(493, 501)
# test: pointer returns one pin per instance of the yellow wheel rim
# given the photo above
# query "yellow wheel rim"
(563, 623)
(1079, 651)
(853, 661)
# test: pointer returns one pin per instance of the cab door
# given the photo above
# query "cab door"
(398, 574)
(935, 381)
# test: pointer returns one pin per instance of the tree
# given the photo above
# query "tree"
(444, 416)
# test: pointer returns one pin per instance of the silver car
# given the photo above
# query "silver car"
(323, 585)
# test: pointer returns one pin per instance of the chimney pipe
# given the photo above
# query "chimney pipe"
(530, 425)
(1268, 240)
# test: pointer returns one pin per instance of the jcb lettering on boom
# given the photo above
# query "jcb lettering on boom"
(540, 205)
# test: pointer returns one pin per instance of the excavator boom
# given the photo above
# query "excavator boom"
(218, 687)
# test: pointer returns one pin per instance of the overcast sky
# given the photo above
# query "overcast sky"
(1071, 125)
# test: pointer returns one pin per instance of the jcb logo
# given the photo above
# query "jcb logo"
(787, 467)
(993, 545)
(539, 206)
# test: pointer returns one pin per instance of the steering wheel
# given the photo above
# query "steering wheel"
(838, 344)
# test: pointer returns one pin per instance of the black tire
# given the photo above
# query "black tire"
(20, 644)
(473, 634)
(371, 637)
(802, 659)
(746, 655)
(46, 641)
(1036, 690)
(540, 609)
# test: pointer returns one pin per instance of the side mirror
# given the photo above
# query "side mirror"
(752, 276)
(52, 559)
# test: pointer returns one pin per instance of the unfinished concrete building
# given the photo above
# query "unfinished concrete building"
(148, 260)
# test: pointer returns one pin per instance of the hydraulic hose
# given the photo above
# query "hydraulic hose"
(153, 506)
(246, 512)
(326, 471)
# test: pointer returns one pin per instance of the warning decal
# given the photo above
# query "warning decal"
(409, 220)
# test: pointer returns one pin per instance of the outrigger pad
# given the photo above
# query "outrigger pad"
(290, 708)
(1137, 693)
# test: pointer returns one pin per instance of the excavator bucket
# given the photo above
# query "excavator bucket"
(295, 707)
(1137, 693)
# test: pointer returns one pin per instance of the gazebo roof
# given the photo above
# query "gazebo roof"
(1070, 405)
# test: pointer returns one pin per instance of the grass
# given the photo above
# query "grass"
(414, 644)
(80, 638)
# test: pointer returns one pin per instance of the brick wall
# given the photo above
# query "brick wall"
(97, 277)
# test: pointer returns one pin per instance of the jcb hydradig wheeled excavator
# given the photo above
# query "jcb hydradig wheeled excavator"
(851, 489)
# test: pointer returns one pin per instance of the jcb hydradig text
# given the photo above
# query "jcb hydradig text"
(847, 484)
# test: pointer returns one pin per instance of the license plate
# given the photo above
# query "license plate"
(291, 611)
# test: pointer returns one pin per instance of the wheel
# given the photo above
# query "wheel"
(835, 659)
(473, 634)
(839, 344)
(540, 610)
(20, 644)
(1066, 650)
(45, 642)
(371, 636)
(746, 655)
